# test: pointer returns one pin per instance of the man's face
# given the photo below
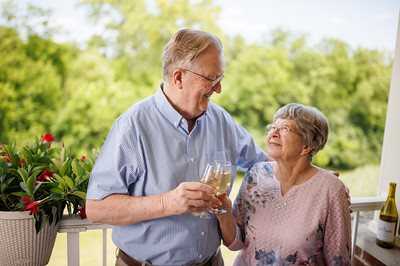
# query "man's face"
(201, 80)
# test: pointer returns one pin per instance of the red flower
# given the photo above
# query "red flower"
(44, 176)
(82, 212)
(26, 200)
(48, 138)
(33, 207)
(83, 158)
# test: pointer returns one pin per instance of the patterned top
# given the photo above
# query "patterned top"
(309, 225)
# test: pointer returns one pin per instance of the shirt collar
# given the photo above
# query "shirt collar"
(168, 111)
(166, 108)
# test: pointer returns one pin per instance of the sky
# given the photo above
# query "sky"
(366, 23)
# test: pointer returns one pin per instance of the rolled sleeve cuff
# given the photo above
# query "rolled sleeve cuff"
(237, 242)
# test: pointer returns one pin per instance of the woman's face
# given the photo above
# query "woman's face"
(284, 142)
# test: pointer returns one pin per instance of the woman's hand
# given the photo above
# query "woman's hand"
(226, 204)
(227, 222)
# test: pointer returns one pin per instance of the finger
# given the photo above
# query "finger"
(222, 196)
(198, 186)
(198, 204)
(198, 195)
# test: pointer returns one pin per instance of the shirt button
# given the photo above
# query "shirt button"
(200, 256)
(202, 233)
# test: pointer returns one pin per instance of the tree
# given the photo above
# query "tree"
(31, 79)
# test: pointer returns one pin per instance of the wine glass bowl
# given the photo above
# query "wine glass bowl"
(218, 175)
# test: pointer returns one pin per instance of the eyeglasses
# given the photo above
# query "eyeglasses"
(284, 129)
(213, 82)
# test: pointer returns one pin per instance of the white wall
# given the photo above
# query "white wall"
(390, 161)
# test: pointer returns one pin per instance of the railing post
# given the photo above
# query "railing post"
(73, 248)
(354, 233)
(105, 247)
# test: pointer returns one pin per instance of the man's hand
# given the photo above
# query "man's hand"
(189, 197)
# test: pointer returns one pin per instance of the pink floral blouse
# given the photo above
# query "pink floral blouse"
(309, 225)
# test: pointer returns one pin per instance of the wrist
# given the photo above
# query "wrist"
(164, 200)
(167, 208)
(224, 217)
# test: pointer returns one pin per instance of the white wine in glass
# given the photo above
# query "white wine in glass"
(218, 175)
(207, 178)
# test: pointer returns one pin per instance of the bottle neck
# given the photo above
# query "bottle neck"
(392, 190)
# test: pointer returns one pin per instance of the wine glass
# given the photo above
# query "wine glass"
(206, 178)
(223, 172)
(218, 175)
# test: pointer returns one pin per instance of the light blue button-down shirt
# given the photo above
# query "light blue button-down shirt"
(148, 151)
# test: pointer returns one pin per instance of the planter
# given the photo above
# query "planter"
(19, 243)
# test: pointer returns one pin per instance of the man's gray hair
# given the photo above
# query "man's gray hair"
(184, 47)
(311, 123)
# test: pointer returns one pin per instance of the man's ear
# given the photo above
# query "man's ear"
(306, 150)
(177, 78)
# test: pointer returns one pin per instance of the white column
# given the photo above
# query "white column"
(390, 160)
(105, 247)
(73, 248)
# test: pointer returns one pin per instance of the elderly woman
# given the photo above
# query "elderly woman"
(289, 211)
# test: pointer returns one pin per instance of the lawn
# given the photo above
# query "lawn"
(361, 182)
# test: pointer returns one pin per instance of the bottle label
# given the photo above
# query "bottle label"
(385, 231)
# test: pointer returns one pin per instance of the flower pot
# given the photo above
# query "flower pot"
(19, 243)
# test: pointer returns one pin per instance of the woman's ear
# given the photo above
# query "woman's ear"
(306, 150)
(177, 78)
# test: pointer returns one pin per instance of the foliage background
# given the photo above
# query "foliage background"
(76, 93)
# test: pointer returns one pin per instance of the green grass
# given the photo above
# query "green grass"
(361, 182)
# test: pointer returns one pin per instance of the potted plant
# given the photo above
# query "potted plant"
(37, 182)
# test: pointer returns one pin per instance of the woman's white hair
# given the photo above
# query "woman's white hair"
(311, 123)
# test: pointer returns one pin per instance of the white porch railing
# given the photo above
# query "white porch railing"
(74, 225)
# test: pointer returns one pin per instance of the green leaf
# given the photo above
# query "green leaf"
(69, 182)
(25, 188)
(57, 190)
(31, 184)
(18, 194)
(79, 194)
(9, 180)
(37, 187)
(77, 169)
(23, 174)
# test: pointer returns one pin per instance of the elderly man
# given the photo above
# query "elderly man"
(146, 178)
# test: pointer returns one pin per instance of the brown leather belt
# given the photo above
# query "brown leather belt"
(128, 260)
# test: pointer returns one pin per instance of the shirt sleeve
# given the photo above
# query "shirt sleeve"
(118, 166)
(248, 152)
(337, 236)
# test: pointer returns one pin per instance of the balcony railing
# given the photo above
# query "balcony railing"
(74, 225)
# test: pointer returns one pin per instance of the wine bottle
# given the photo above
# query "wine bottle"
(387, 222)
